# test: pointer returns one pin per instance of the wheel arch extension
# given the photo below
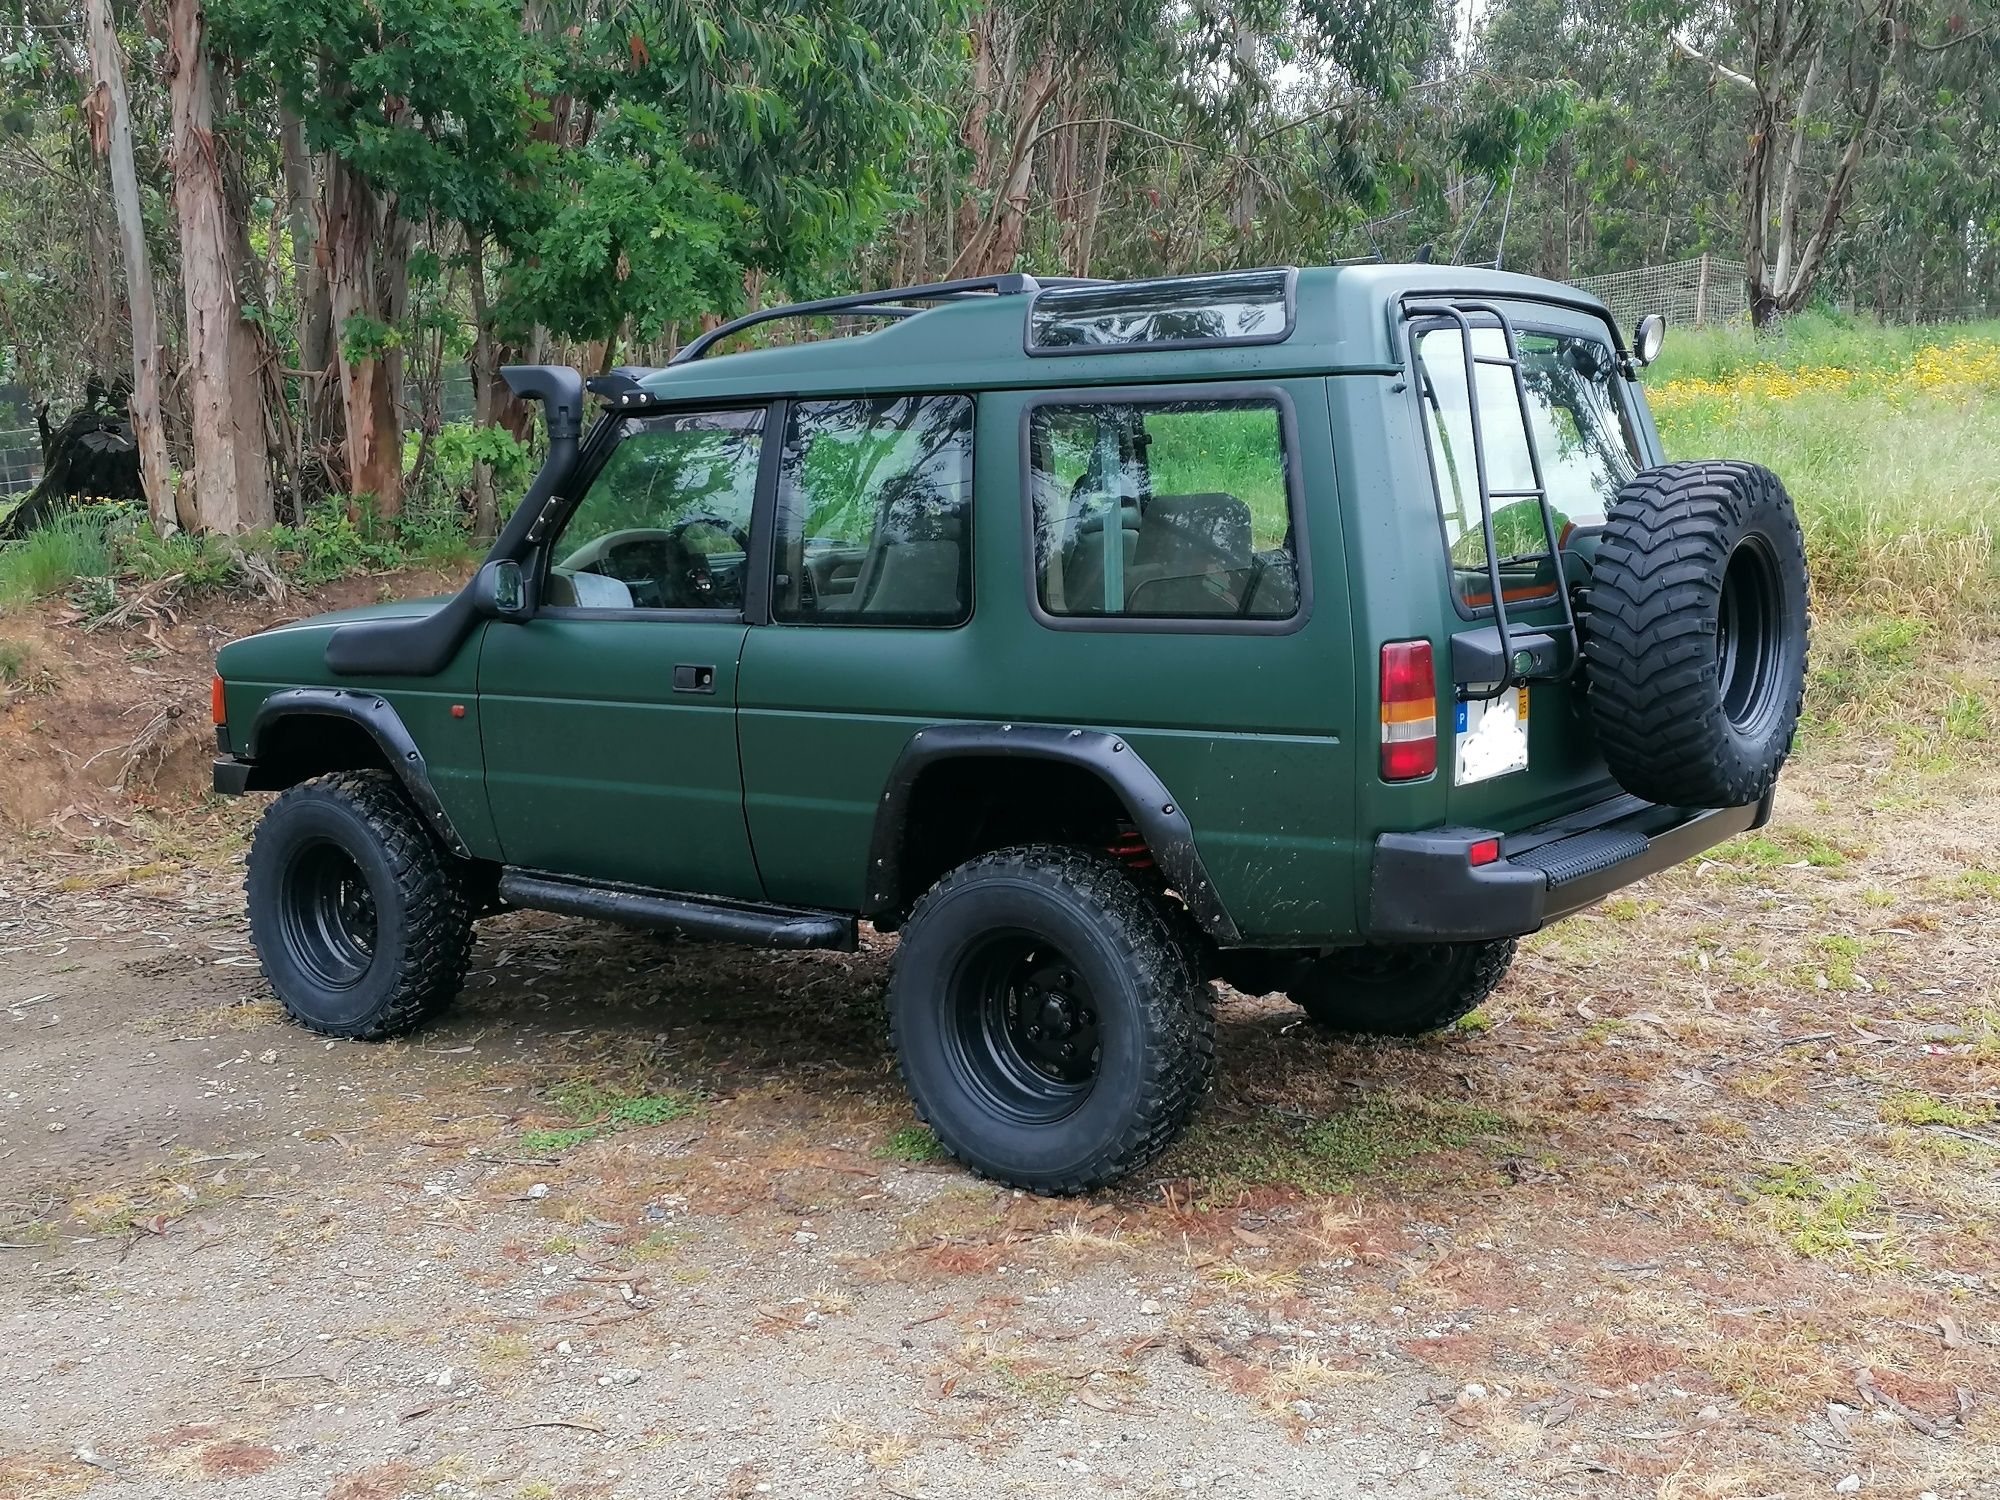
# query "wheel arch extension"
(898, 872)
(291, 741)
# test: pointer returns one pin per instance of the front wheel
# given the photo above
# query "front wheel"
(1049, 1022)
(361, 921)
(1400, 989)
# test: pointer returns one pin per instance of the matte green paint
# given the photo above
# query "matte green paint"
(576, 755)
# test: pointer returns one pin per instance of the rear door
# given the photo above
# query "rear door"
(1587, 431)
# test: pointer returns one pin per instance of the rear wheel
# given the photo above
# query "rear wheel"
(362, 922)
(1048, 1019)
(1400, 989)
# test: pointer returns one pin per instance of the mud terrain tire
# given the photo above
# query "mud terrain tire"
(1695, 633)
(362, 922)
(1399, 989)
(1017, 955)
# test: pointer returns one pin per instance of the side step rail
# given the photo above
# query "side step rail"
(743, 922)
(1460, 314)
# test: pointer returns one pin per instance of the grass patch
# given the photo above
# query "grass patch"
(1910, 1107)
(1778, 848)
(594, 1110)
(1378, 1138)
(912, 1143)
(1822, 1219)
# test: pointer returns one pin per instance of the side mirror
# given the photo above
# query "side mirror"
(500, 590)
(1647, 339)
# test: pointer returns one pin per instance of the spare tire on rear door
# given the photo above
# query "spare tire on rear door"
(1695, 637)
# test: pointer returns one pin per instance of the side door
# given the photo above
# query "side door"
(872, 594)
(608, 717)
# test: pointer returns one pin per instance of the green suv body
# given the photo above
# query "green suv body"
(1121, 635)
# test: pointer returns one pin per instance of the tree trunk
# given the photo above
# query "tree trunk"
(357, 227)
(232, 478)
(110, 106)
(319, 394)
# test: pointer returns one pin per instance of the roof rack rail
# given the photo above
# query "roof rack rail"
(884, 304)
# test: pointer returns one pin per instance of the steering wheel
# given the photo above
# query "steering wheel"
(694, 574)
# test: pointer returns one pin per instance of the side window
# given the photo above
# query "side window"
(875, 512)
(1172, 510)
(666, 522)
(1581, 433)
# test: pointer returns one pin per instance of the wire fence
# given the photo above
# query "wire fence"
(1688, 293)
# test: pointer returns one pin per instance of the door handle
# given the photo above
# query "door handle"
(694, 679)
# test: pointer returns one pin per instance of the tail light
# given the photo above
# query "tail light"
(1409, 711)
(215, 709)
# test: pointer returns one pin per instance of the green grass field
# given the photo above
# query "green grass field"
(1888, 438)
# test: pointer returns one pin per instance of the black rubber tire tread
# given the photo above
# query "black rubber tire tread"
(1176, 1003)
(1650, 633)
(1466, 974)
(429, 885)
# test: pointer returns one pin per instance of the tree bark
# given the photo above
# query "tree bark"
(110, 105)
(232, 477)
(358, 243)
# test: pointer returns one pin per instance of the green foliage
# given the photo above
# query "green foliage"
(596, 1109)
(73, 545)
(912, 1143)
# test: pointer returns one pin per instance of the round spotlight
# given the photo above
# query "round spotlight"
(1648, 337)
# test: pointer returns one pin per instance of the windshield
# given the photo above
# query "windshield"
(1581, 433)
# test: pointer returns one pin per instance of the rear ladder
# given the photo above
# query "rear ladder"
(1460, 315)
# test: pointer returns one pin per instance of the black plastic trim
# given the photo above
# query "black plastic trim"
(1159, 818)
(670, 911)
(1220, 393)
(374, 714)
(1423, 889)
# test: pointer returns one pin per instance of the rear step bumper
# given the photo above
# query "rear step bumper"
(1424, 887)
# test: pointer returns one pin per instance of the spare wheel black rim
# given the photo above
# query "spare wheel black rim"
(329, 915)
(1021, 1028)
(1749, 638)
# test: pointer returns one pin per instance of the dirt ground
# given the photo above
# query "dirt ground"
(1703, 1204)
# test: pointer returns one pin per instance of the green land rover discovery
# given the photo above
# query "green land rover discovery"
(1318, 631)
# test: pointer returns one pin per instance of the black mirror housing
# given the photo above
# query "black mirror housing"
(500, 590)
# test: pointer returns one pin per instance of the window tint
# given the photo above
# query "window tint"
(1233, 307)
(666, 522)
(875, 512)
(1581, 434)
(1168, 510)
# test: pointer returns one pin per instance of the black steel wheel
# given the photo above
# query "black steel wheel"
(328, 914)
(1048, 1019)
(362, 922)
(1399, 989)
(1022, 1033)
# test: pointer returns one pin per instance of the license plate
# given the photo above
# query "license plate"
(1492, 737)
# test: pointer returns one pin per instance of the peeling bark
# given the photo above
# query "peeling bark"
(111, 106)
(231, 473)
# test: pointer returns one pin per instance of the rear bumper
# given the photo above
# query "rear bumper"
(1424, 889)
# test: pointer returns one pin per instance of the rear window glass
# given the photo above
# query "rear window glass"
(1168, 510)
(1235, 307)
(1580, 430)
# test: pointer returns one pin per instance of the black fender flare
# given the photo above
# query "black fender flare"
(1159, 818)
(383, 724)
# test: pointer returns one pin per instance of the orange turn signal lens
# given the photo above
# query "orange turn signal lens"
(215, 709)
